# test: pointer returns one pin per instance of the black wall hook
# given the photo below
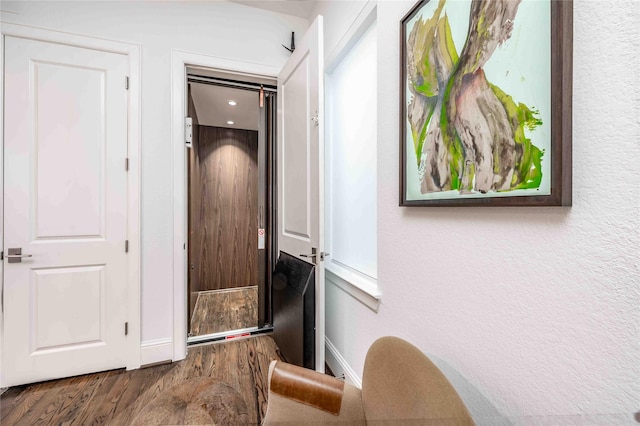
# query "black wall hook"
(293, 43)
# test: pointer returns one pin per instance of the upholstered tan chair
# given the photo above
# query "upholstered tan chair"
(400, 386)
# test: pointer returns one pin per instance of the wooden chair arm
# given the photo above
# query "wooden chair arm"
(301, 396)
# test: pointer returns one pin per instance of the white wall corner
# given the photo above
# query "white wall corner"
(339, 365)
(157, 350)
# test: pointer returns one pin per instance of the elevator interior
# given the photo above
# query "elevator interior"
(230, 181)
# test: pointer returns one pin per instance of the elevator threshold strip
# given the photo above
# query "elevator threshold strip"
(229, 335)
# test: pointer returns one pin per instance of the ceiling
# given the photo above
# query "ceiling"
(213, 109)
(300, 8)
(211, 102)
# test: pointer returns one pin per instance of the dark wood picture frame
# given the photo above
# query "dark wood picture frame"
(561, 21)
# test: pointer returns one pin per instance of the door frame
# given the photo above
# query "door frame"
(180, 60)
(132, 51)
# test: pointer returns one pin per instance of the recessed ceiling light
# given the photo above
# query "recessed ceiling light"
(232, 103)
(229, 122)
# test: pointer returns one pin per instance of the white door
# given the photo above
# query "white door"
(65, 201)
(301, 163)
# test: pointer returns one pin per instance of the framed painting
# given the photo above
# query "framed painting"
(485, 94)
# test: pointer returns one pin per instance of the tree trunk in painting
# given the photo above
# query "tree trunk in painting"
(468, 134)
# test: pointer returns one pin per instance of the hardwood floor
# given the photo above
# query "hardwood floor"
(117, 397)
(224, 310)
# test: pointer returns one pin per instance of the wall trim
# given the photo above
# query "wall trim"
(358, 285)
(366, 293)
(133, 52)
(179, 61)
(157, 350)
(366, 16)
(339, 364)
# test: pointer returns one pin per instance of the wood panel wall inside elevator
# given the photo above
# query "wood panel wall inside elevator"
(223, 209)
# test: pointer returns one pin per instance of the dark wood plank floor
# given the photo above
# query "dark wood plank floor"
(116, 397)
(224, 310)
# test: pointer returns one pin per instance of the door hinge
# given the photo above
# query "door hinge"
(126, 246)
(126, 164)
(126, 82)
(188, 131)
(1, 255)
(316, 119)
(126, 328)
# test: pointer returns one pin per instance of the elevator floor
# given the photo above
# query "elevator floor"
(218, 311)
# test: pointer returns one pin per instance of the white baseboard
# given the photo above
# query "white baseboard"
(339, 365)
(158, 350)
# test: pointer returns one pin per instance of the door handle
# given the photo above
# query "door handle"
(322, 255)
(312, 255)
(15, 255)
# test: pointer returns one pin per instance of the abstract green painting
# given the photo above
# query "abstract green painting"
(479, 104)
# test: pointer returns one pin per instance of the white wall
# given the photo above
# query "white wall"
(350, 150)
(214, 28)
(350, 157)
(534, 313)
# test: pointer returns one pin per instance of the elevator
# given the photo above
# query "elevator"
(230, 180)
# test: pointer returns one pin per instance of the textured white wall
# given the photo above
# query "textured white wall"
(534, 313)
(214, 28)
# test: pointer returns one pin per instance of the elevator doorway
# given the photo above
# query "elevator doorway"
(230, 176)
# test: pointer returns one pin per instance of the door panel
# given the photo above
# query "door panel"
(66, 206)
(56, 328)
(301, 163)
(296, 168)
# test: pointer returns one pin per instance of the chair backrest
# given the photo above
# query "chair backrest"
(400, 385)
